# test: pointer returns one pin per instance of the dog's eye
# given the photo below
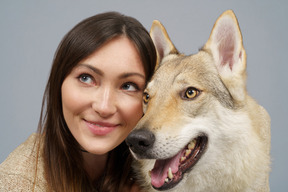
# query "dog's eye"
(146, 97)
(191, 93)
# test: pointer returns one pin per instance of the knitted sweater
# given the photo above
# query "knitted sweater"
(22, 171)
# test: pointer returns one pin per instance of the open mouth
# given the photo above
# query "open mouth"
(167, 173)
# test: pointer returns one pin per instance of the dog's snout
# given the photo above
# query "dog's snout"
(140, 140)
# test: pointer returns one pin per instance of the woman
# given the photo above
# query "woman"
(92, 101)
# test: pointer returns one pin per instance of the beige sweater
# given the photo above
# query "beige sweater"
(21, 171)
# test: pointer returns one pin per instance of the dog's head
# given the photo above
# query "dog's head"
(187, 100)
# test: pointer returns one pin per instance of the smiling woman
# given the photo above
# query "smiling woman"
(102, 103)
(92, 101)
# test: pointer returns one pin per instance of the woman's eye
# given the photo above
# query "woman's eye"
(85, 78)
(130, 87)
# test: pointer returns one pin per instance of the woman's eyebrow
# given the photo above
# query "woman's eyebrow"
(126, 75)
(101, 73)
(95, 70)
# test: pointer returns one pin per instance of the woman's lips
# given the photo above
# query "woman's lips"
(100, 128)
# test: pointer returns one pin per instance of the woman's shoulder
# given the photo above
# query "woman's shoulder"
(23, 167)
(21, 157)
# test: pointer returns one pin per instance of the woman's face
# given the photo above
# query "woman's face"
(102, 96)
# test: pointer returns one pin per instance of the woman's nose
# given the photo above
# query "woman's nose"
(105, 102)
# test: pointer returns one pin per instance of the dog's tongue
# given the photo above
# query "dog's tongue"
(160, 171)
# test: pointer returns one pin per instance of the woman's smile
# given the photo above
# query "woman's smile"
(100, 128)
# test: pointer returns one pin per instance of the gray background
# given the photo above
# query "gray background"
(30, 31)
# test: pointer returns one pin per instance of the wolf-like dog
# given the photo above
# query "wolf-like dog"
(201, 131)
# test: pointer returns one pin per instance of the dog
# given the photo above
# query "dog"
(201, 131)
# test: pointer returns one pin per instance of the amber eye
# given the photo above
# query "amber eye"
(146, 97)
(191, 93)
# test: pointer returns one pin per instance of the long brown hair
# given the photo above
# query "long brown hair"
(63, 160)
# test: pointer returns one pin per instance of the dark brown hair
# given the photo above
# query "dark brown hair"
(63, 160)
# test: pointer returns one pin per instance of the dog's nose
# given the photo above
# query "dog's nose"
(140, 140)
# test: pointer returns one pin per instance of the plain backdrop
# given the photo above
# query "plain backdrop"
(31, 30)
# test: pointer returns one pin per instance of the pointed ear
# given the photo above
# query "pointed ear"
(162, 42)
(226, 46)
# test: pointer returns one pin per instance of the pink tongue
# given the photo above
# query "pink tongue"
(160, 171)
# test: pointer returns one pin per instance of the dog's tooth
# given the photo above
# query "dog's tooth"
(166, 180)
(192, 144)
(187, 152)
(170, 175)
(182, 159)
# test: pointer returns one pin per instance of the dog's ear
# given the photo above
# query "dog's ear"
(162, 42)
(226, 46)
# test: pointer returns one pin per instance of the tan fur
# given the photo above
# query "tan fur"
(237, 157)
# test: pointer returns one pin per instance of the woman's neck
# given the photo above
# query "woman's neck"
(94, 164)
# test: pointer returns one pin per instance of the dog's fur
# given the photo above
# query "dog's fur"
(204, 95)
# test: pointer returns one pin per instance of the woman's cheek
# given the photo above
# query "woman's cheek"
(135, 112)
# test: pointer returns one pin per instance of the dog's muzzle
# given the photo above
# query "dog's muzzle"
(166, 173)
